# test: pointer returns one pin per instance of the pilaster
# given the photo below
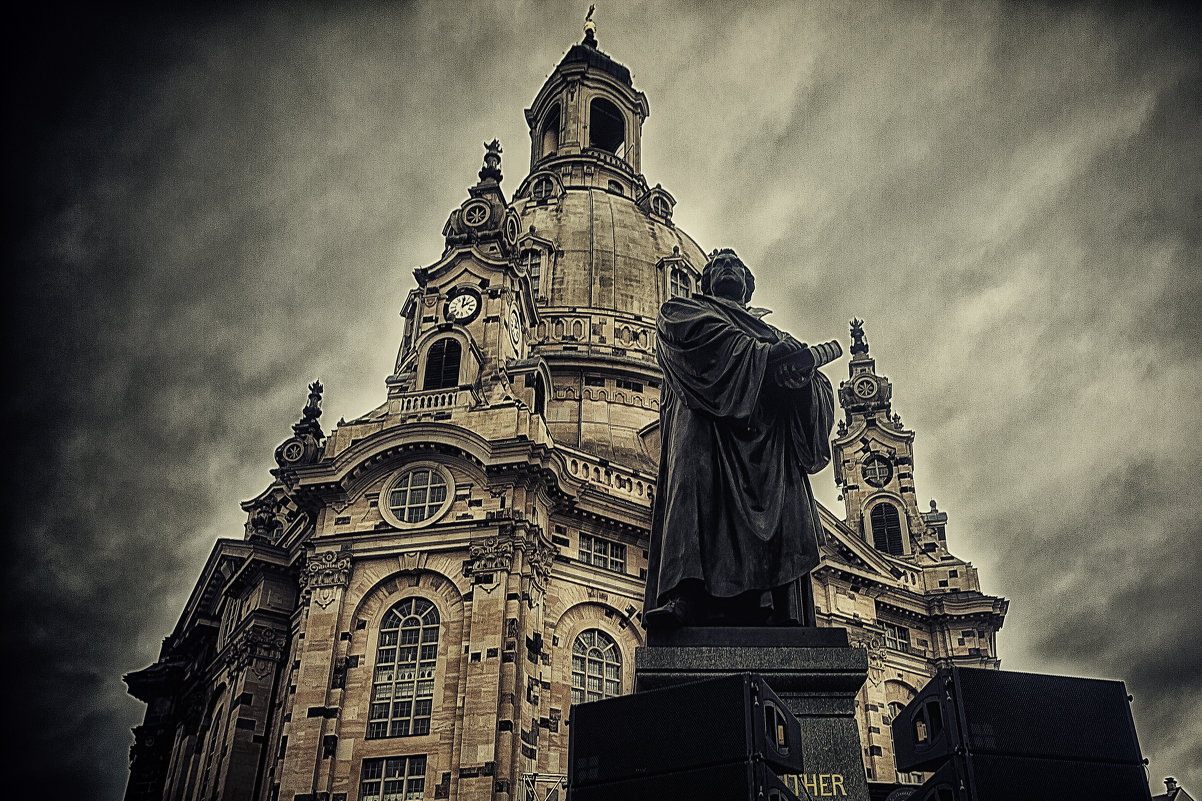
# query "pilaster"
(323, 582)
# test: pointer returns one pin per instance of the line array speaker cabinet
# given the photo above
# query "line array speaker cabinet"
(992, 777)
(980, 711)
(735, 718)
(746, 780)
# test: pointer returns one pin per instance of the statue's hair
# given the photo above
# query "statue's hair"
(726, 254)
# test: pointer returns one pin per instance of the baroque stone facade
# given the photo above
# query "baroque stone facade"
(421, 595)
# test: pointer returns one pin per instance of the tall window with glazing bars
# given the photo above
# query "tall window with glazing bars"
(402, 693)
(596, 667)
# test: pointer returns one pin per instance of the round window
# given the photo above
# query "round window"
(877, 471)
(418, 495)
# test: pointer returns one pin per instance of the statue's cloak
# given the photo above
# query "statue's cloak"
(734, 508)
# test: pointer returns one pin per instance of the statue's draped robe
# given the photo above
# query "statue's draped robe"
(734, 507)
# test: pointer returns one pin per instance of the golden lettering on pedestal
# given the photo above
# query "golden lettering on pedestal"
(818, 785)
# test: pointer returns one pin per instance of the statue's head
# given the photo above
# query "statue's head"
(726, 276)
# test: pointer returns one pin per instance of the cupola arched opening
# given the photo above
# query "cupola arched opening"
(886, 529)
(442, 365)
(607, 127)
(540, 395)
(548, 136)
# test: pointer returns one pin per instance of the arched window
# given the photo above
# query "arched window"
(679, 284)
(218, 731)
(442, 365)
(402, 692)
(543, 188)
(532, 260)
(616, 188)
(607, 127)
(549, 136)
(886, 529)
(596, 667)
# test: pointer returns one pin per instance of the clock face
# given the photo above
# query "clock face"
(865, 387)
(515, 327)
(463, 304)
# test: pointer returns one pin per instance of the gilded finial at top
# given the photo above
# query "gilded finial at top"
(590, 27)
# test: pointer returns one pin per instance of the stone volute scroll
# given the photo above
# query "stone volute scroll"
(745, 418)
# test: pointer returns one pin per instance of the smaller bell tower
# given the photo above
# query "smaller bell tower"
(874, 458)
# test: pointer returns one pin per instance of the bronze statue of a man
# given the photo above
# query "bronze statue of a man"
(743, 422)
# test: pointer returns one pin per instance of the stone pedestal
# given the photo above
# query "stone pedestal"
(813, 670)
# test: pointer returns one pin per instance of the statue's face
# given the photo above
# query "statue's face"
(728, 279)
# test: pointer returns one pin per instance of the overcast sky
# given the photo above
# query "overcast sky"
(212, 209)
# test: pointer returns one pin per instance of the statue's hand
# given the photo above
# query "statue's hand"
(790, 376)
(785, 371)
(783, 348)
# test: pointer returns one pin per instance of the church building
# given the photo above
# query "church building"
(422, 593)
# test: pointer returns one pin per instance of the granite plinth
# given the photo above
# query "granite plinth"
(739, 636)
(813, 670)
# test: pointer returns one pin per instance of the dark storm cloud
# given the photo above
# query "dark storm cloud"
(207, 190)
(217, 208)
(1010, 197)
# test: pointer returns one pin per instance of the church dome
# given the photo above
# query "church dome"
(609, 253)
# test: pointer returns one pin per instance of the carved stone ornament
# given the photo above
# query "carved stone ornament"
(489, 556)
(267, 519)
(324, 574)
(541, 558)
(876, 652)
(258, 647)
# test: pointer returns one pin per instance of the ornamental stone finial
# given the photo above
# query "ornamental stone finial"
(308, 423)
(302, 448)
(492, 161)
(859, 344)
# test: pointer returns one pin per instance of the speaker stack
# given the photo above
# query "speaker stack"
(992, 735)
(725, 738)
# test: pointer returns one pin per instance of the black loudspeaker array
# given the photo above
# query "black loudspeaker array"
(721, 738)
(994, 735)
